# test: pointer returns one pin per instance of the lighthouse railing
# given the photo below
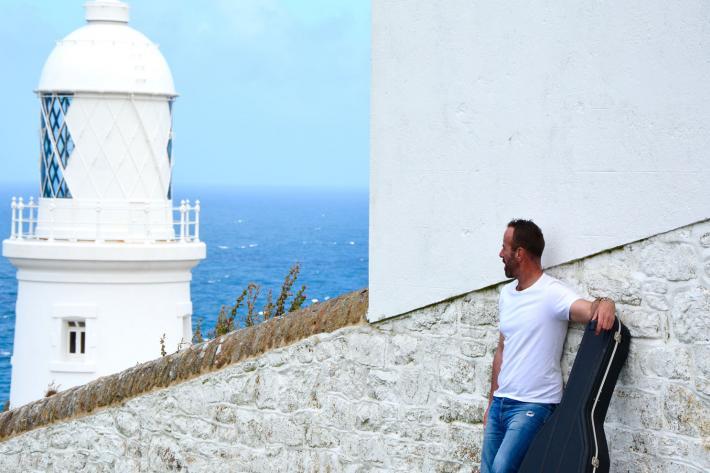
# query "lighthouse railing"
(104, 222)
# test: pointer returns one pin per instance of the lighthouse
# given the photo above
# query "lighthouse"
(103, 253)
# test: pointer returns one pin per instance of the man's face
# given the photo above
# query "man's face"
(507, 254)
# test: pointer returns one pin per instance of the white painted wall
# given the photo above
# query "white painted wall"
(589, 117)
(128, 295)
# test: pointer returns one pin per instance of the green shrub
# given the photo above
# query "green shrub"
(247, 300)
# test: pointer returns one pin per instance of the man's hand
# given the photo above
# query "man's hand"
(604, 314)
(485, 414)
(602, 310)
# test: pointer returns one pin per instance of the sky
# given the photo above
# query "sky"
(273, 93)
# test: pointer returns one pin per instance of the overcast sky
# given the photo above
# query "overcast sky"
(272, 92)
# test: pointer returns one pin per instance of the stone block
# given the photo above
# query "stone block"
(347, 378)
(268, 384)
(417, 415)
(127, 423)
(407, 463)
(636, 408)
(654, 286)
(670, 445)
(304, 351)
(671, 361)
(643, 323)
(690, 316)
(285, 430)
(194, 397)
(685, 412)
(302, 391)
(273, 359)
(622, 440)
(477, 309)
(635, 371)
(224, 413)
(164, 454)
(439, 318)
(366, 347)
(474, 348)
(621, 288)
(657, 301)
(243, 388)
(705, 240)
(368, 449)
(485, 334)
(635, 463)
(337, 412)
(368, 416)
(463, 443)
(401, 349)
(466, 410)
(456, 374)
(331, 348)
(679, 235)
(60, 440)
(671, 261)
(253, 428)
(413, 386)
(381, 384)
(404, 430)
(318, 436)
(701, 355)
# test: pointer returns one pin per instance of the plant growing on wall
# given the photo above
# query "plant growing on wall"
(52, 389)
(245, 306)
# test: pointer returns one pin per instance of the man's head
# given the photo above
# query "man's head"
(523, 245)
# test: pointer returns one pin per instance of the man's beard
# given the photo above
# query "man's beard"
(510, 269)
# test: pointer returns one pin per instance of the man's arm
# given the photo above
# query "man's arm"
(497, 363)
(601, 309)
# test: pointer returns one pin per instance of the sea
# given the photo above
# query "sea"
(252, 235)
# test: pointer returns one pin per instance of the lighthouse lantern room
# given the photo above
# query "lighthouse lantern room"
(103, 255)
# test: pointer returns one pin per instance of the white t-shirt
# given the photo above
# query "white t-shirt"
(534, 324)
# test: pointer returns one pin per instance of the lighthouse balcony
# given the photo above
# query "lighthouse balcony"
(47, 219)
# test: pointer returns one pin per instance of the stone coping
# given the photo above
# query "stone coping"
(348, 309)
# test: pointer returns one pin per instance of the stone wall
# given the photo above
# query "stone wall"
(405, 394)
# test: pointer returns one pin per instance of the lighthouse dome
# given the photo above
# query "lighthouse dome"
(106, 56)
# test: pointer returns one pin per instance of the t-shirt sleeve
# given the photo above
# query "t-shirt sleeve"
(562, 298)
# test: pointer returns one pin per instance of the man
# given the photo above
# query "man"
(526, 384)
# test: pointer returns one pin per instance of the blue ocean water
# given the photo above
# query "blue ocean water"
(251, 235)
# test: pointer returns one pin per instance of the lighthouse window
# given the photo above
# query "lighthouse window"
(76, 331)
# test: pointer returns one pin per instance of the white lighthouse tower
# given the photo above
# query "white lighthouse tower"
(103, 256)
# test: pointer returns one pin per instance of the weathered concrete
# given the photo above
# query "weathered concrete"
(406, 394)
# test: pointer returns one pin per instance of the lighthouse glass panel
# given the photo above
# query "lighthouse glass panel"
(56, 145)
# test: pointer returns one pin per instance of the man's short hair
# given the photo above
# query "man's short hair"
(526, 234)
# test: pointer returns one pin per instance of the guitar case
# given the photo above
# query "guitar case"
(572, 440)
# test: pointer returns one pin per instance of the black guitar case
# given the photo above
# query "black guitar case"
(572, 440)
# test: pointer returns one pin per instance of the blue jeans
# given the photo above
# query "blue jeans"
(510, 429)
